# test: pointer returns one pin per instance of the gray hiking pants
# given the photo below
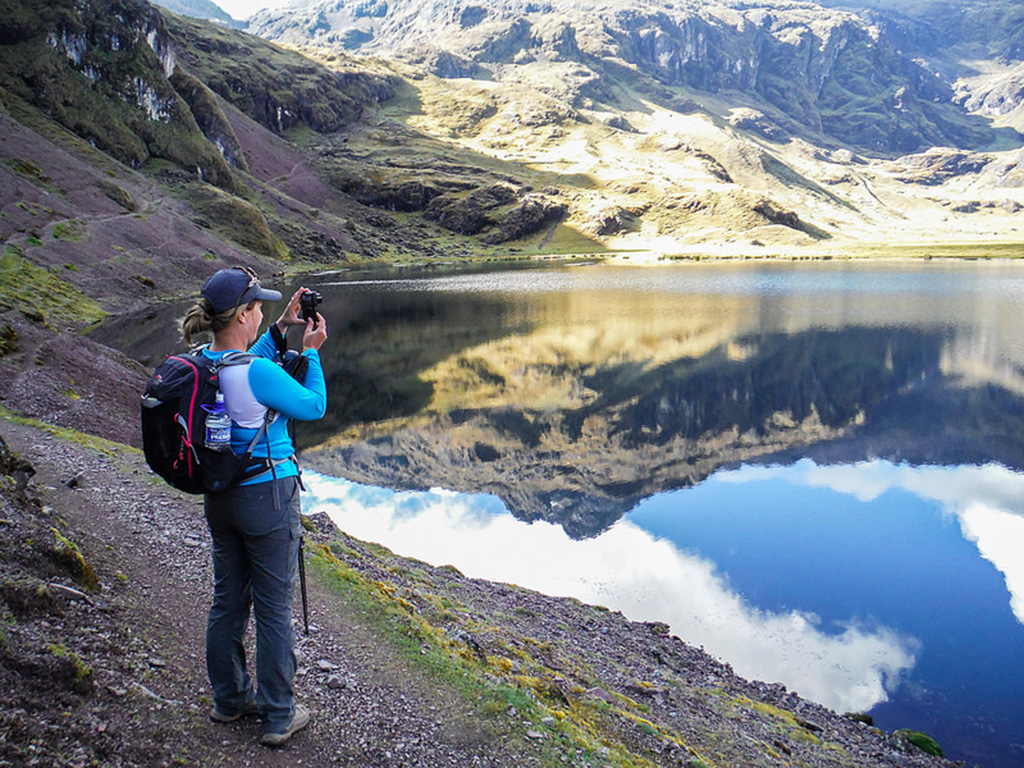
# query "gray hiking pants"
(255, 557)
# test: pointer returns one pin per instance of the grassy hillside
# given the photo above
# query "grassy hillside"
(186, 146)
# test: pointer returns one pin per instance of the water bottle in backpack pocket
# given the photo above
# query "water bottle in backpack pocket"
(218, 425)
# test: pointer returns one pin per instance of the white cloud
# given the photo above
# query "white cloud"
(999, 535)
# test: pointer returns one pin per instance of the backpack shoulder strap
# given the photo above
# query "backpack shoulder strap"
(235, 358)
(231, 357)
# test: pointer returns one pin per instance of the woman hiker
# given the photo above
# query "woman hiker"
(255, 525)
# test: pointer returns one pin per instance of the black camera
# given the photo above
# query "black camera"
(308, 302)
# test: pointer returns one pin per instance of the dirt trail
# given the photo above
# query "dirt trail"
(150, 549)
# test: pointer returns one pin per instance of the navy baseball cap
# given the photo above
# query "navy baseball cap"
(230, 288)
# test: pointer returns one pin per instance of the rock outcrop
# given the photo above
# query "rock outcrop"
(106, 77)
(279, 89)
(828, 72)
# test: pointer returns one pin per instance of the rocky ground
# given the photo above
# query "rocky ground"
(105, 583)
(113, 674)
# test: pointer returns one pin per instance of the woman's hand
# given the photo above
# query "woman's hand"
(290, 316)
(315, 334)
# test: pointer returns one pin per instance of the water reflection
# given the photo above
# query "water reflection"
(874, 586)
(987, 502)
(568, 426)
(926, 551)
(627, 568)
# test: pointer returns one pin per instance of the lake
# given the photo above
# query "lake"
(812, 471)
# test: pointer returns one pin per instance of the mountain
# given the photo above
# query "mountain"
(142, 150)
(818, 72)
(521, 127)
(202, 9)
(689, 128)
(976, 48)
(119, 104)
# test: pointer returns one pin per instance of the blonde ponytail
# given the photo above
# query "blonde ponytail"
(201, 319)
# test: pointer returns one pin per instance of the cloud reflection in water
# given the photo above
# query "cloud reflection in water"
(626, 569)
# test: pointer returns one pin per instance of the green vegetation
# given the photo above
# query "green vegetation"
(101, 446)
(421, 154)
(235, 219)
(67, 554)
(8, 340)
(72, 230)
(33, 172)
(561, 240)
(80, 675)
(26, 168)
(922, 741)
(117, 194)
(34, 290)
(498, 669)
(963, 251)
(958, 251)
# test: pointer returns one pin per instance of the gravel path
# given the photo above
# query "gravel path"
(150, 549)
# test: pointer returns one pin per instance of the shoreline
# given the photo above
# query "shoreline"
(506, 676)
(917, 252)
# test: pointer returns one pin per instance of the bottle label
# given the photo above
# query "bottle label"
(218, 436)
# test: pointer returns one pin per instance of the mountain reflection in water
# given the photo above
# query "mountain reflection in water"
(810, 471)
(566, 439)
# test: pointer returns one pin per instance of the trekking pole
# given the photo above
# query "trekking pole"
(302, 583)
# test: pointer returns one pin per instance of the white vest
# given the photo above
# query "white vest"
(243, 407)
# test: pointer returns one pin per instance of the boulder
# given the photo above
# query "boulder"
(530, 216)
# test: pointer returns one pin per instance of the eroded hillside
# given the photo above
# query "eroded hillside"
(696, 129)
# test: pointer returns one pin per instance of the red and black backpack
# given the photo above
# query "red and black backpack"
(174, 425)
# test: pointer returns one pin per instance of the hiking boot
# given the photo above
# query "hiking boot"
(246, 711)
(299, 721)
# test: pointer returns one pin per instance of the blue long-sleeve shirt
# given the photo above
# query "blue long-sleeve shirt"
(264, 384)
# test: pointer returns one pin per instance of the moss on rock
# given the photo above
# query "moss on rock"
(29, 288)
(921, 740)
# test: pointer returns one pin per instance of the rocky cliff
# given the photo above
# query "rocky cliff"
(139, 86)
(106, 77)
(819, 72)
